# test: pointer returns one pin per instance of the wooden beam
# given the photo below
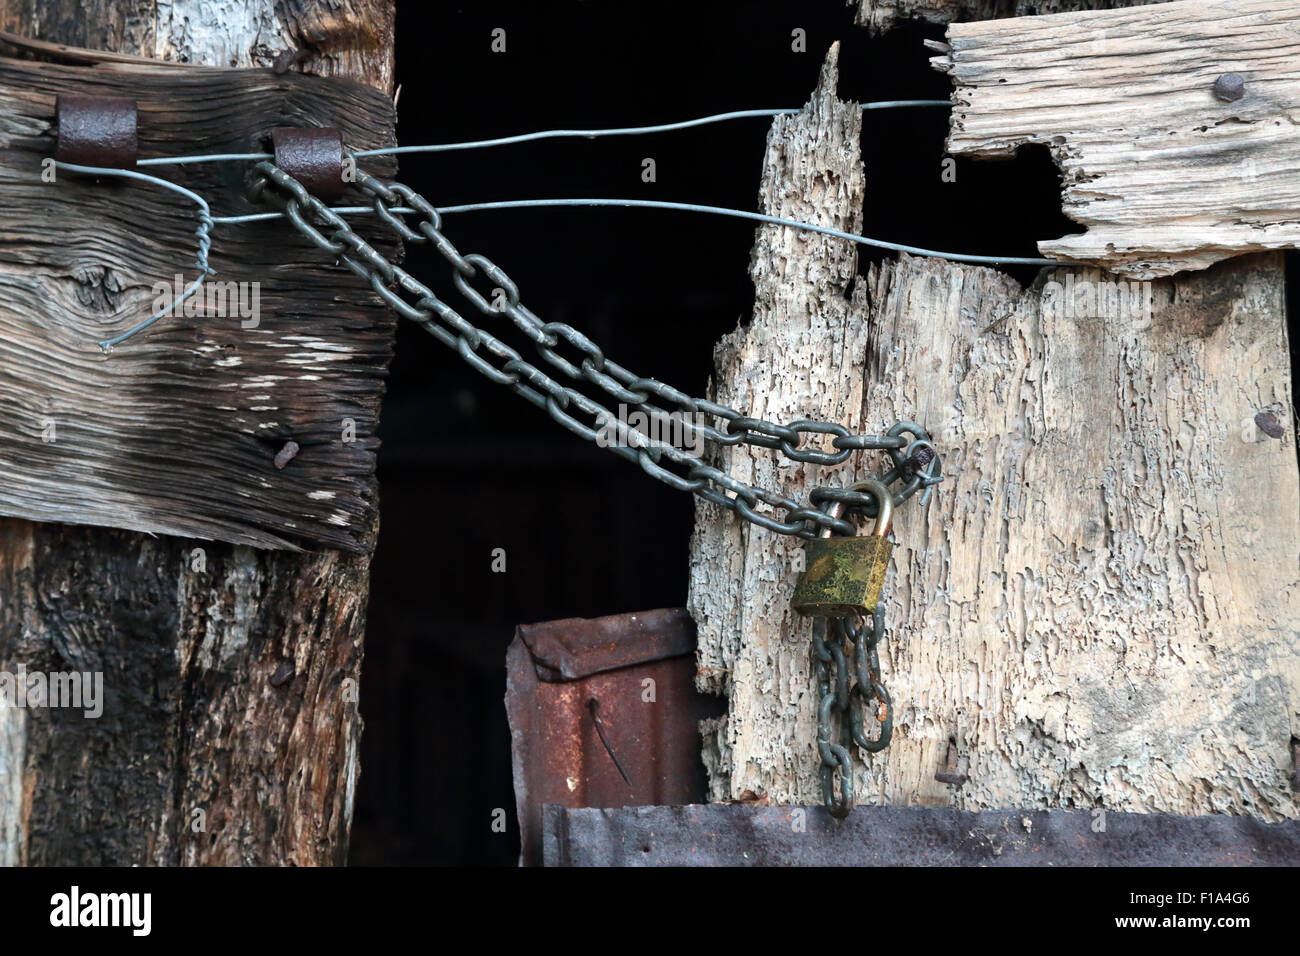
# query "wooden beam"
(230, 728)
(880, 16)
(1165, 175)
(177, 431)
(1101, 604)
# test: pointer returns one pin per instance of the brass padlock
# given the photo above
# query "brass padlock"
(844, 577)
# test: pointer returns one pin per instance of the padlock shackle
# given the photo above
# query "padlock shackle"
(884, 505)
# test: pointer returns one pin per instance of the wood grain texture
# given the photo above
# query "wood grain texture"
(1100, 605)
(1164, 176)
(177, 430)
(806, 341)
(879, 16)
(231, 730)
(352, 38)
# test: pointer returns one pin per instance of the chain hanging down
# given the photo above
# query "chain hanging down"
(852, 648)
(842, 586)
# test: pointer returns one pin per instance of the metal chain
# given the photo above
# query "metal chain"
(912, 455)
(851, 651)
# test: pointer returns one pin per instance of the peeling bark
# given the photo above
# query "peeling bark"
(339, 37)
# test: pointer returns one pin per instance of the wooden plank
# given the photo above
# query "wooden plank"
(879, 16)
(1101, 604)
(177, 431)
(1165, 176)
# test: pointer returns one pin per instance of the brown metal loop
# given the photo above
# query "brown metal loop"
(96, 130)
(313, 156)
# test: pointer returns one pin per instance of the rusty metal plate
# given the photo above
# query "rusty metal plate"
(740, 835)
(640, 671)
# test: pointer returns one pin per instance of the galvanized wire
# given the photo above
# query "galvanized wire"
(756, 217)
(203, 234)
(543, 134)
(628, 130)
(681, 207)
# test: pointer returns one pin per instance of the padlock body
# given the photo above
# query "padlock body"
(843, 577)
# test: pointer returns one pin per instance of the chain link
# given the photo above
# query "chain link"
(852, 649)
(912, 456)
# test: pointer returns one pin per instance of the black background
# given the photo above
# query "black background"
(467, 467)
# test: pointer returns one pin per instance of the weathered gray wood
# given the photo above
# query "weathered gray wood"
(880, 16)
(1165, 176)
(176, 432)
(1101, 605)
(811, 171)
(337, 37)
(230, 727)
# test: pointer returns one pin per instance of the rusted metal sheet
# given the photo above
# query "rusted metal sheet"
(740, 835)
(604, 713)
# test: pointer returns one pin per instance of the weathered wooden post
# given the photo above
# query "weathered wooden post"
(230, 729)
(1100, 606)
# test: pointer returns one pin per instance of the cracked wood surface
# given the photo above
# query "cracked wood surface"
(880, 16)
(1164, 176)
(230, 730)
(176, 431)
(1101, 604)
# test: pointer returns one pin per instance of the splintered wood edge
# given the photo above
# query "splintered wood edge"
(1165, 176)
(880, 16)
(178, 430)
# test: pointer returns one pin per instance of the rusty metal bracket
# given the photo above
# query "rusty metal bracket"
(604, 712)
(96, 130)
(313, 156)
(741, 835)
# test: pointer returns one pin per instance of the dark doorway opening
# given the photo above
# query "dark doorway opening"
(466, 467)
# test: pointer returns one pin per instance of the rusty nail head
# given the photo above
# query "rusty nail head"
(950, 774)
(1269, 425)
(1230, 87)
(286, 454)
(96, 130)
(313, 156)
